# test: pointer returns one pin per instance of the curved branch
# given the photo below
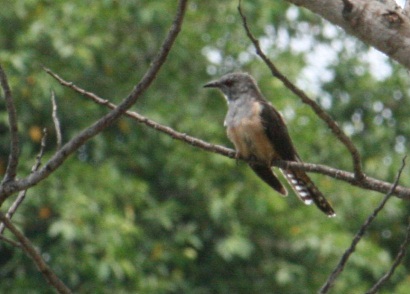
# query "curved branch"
(9, 241)
(333, 126)
(142, 119)
(366, 182)
(399, 258)
(61, 155)
(359, 235)
(14, 142)
(22, 194)
(29, 249)
(56, 121)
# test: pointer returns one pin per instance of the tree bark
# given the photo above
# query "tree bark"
(380, 24)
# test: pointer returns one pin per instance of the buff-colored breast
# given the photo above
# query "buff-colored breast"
(249, 138)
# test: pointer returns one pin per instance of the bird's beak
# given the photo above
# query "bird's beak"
(213, 84)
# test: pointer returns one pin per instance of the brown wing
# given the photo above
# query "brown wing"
(267, 175)
(277, 133)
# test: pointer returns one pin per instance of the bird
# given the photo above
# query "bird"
(260, 135)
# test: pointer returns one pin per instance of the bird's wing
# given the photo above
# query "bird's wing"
(277, 132)
(267, 175)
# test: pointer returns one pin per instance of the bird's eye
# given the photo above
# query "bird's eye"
(229, 83)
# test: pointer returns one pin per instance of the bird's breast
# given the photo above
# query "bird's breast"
(246, 131)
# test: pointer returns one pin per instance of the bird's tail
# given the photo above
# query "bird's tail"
(266, 174)
(307, 191)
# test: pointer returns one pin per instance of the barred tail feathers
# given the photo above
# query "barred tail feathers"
(307, 191)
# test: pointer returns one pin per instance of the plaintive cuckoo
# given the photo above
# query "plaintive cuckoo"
(259, 134)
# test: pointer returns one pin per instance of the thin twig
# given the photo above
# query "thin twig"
(71, 146)
(11, 242)
(29, 249)
(399, 257)
(337, 131)
(340, 266)
(368, 183)
(14, 142)
(56, 121)
(22, 194)
(141, 119)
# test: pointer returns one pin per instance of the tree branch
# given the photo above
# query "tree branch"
(399, 257)
(340, 266)
(56, 121)
(9, 241)
(141, 119)
(373, 22)
(366, 183)
(61, 155)
(14, 142)
(31, 252)
(22, 195)
(332, 125)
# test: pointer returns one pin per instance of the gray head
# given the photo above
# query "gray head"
(234, 84)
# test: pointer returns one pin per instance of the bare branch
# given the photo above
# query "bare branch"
(61, 155)
(11, 242)
(31, 252)
(399, 257)
(340, 266)
(367, 183)
(14, 142)
(337, 131)
(22, 195)
(139, 118)
(56, 121)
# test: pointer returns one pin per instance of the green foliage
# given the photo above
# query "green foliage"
(136, 211)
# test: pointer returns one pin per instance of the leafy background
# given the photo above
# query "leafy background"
(135, 210)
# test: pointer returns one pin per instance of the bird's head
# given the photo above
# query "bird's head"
(234, 84)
